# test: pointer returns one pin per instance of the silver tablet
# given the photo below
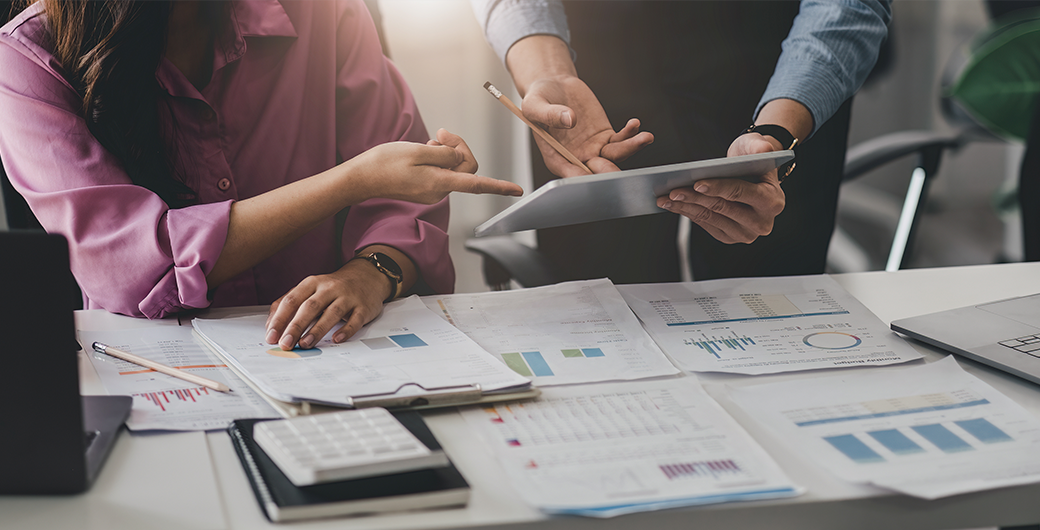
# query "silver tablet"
(621, 194)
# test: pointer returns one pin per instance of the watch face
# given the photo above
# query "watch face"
(388, 263)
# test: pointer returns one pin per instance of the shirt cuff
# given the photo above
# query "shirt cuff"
(822, 96)
(508, 21)
(194, 237)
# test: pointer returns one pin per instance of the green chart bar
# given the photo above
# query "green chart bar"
(516, 363)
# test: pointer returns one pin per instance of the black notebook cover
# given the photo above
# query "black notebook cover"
(282, 501)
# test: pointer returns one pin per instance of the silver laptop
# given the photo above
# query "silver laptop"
(1004, 334)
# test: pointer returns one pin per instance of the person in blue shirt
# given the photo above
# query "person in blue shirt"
(697, 74)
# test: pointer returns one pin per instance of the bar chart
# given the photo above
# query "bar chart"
(534, 364)
(889, 444)
(715, 344)
(918, 425)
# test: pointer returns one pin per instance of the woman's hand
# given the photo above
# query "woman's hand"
(304, 315)
(419, 173)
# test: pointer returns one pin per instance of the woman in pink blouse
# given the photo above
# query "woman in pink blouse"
(202, 154)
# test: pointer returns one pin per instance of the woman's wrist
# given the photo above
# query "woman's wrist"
(387, 263)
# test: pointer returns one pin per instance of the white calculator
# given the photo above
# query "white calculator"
(344, 445)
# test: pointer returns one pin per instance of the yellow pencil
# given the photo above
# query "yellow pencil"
(537, 130)
(159, 367)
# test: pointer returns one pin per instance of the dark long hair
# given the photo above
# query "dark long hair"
(111, 50)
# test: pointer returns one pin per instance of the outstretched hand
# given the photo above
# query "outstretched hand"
(570, 112)
(733, 210)
(423, 174)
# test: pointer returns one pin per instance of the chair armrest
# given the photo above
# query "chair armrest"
(506, 259)
(876, 152)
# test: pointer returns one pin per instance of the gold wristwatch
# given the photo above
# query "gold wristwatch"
(386, 265)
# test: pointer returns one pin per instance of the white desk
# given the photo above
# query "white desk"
(194, 480)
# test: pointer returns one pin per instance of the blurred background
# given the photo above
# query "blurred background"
(438, 46)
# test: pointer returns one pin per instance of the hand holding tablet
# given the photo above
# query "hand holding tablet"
(620, 194)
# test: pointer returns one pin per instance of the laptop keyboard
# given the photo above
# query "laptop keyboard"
(1029, 344)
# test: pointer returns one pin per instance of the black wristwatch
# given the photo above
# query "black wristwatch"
(386, 265)
(783, 136)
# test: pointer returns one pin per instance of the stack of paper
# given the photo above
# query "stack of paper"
(929, 431)
(162, 402)
(574, 332)
(608, 449)
(764, 325)
(406, 353)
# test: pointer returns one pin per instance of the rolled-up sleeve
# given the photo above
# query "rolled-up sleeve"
(130, 253)
(375, 106)
(507, 21)
(827, 55)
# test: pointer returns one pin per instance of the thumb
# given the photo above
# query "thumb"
(539, 110)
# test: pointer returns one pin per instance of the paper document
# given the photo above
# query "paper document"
(574, 332)
(608, 449)
(929, 431)
(162, 402)
(406, 349)
(764, 325)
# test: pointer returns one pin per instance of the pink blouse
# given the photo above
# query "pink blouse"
(299, 87)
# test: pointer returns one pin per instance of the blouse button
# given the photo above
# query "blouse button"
(224, 184)
(208, 114)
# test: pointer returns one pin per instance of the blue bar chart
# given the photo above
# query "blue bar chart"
(715, 344)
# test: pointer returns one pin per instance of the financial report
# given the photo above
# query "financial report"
(573, 332)
(764, 325)
(406, 348)
(162, 402)
(930, 431)
(608, 449)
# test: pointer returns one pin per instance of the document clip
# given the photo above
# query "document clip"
(423, 397)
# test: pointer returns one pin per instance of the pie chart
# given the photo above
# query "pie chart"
(295, 353)
(832, 340)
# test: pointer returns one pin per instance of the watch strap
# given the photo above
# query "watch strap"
(782, 135)
(386, 265)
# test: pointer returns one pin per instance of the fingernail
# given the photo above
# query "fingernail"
(272, 336)
(339, 337)
(678, 197)
(307, 341)
(565, 118)
(286, 343)
(701, 188)
(667, 205)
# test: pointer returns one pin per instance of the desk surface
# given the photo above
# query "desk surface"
(194, 480)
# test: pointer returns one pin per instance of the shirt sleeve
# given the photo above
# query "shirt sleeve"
(507, 21)
(827, 55)
(129, 252)
(375, 106)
